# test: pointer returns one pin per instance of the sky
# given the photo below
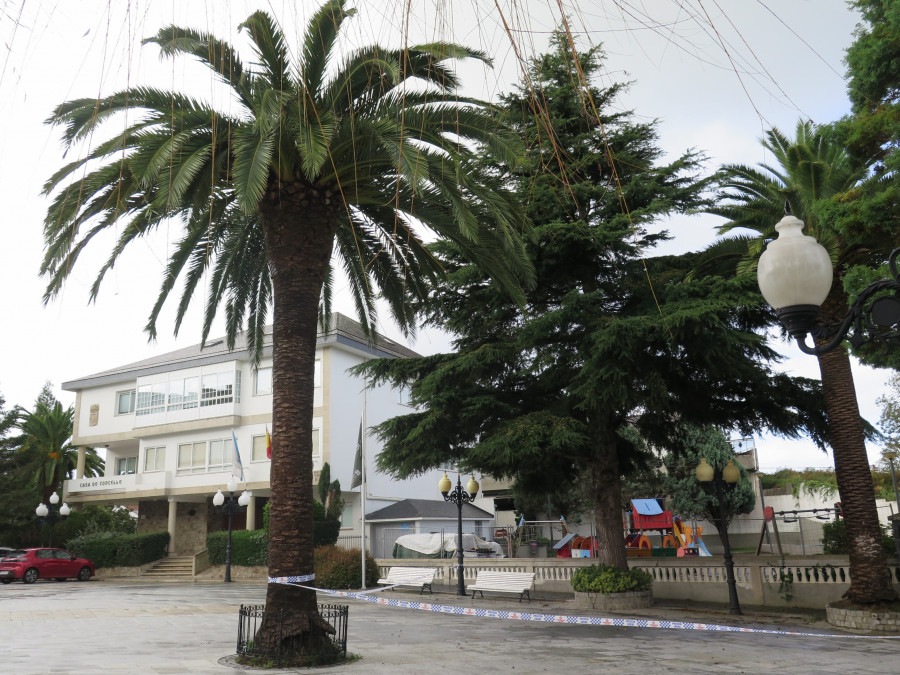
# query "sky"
(716, 74)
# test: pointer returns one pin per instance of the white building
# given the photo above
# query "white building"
(167, 425)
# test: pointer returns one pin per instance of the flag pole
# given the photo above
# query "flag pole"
(363, 486)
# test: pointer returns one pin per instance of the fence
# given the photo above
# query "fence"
(251, 617)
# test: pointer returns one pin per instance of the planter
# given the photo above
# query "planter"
(863, 620)
(614, 601)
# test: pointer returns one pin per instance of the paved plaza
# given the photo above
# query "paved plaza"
(134, 628)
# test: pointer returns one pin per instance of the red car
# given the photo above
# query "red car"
(32, 564)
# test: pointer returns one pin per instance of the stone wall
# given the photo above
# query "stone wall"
(193, 520)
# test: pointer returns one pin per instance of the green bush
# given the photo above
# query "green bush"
(339, 568)
(108, 549)
(325, 531)
(247, 548)
(607, 579)
(834, 538)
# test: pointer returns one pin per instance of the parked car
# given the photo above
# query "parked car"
(31, 564)
(5, 551)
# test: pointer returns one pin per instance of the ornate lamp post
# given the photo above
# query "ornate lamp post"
(721, 481)
(50, 515)
(230, 506)
(459, 497)
(795, 275)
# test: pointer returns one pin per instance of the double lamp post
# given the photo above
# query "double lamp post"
(229, 506)
(459, 497)
(722, 482)
(50, 514)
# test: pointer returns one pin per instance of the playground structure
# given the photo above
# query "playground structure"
(676, 538)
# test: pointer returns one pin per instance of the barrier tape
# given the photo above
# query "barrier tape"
(292, 580)
(569, 619)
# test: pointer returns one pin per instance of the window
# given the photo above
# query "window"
(155, 459)
(184, 394)
(219, 388)
(317, 374)
(125, 402)
(151, 399)
(126, 465)
(316, 447)
(192, 457)
(347, 516)
(405, 393)
(221, 453)
(263, 382)
(258, 453)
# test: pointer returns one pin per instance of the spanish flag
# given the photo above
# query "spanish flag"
(268, 444)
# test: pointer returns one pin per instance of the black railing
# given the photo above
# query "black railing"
(250, 618)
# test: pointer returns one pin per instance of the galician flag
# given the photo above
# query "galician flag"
(237, 469)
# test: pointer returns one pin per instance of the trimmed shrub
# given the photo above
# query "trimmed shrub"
(339, 568)
(108, 549)
(608, 579)
(247, 548)
(326, 532)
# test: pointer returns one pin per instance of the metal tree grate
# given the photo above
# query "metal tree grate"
(250, 618)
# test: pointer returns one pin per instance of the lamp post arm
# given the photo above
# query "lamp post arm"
(870, 318)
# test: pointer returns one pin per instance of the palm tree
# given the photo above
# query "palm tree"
(811, 169)
(363, 152)
(45, 438)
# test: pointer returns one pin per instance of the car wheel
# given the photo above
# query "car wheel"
(6, 581)
(31, 575)
(84, 574)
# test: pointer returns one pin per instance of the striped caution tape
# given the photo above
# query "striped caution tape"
(292, 580)
(581, 620)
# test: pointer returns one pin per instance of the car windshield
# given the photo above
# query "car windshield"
(14, 554)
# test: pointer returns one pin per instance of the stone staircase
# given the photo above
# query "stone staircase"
(173, 568)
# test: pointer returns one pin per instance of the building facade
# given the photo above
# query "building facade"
(169, 424)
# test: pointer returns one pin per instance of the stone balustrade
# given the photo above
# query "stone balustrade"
(764, 581)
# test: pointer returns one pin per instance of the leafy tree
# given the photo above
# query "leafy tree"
(810, 171)
(689, 498)
(599, 361)
(355, 154)
(17, 496)
(873, 128)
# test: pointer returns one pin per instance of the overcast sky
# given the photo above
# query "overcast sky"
(716, 74)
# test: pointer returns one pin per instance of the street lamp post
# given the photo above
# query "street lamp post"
(230, 506)
(50, 515)
(720, 481)
(459, 497)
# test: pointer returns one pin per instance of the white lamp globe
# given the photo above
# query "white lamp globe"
(795, 269)
(244, 499)
(232, 486)
(54, 498)
(41, 510)
(219, 498)
(64, 510)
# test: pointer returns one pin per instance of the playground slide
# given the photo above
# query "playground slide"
(701, 547)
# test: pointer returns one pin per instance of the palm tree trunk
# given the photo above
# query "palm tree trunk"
(870, 579)
(298, 253)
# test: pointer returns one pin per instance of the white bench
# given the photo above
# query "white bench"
(503, 582)
(410, 576)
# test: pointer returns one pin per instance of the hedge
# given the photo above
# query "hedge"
(338, 568)
(608, 579)
(247, 547)
(107, 549)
